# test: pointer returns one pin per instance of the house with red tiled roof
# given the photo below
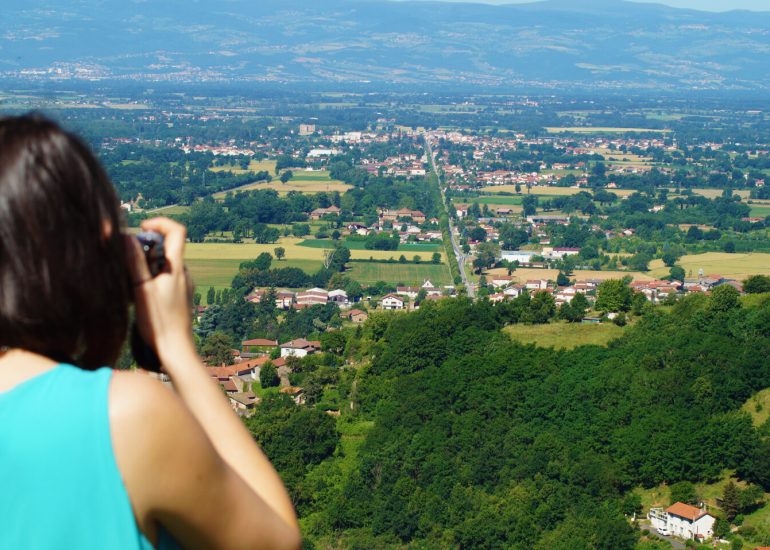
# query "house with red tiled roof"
(683, 520)
(256, 345)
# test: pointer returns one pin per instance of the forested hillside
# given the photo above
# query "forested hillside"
(478, 442)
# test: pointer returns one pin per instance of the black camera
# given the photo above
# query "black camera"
(155, 255)
(154, 252)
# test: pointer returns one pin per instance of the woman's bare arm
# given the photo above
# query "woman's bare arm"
(164, 319)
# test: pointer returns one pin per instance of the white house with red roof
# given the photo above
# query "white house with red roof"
(683, 521)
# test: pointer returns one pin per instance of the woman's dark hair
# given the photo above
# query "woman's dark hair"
(64, 290)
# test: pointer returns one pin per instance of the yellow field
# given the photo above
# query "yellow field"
(523, 275)
(249, 251)
(600, 129)
(254, 166)
(293, 185)
(548, 190)
(713, 193)
(734, 266)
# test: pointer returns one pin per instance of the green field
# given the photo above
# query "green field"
(491, 199)
(368, 273)
(360, 245)
(219, 273)
(564, 335)
(759, 211)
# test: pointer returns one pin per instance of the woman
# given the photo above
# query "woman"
(90, 457)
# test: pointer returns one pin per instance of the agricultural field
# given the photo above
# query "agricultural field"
(427, 248)
(522, 275)
(549, 190)
(175, 210)
(565, 335)
(254, 166)
(215, 264)
(714, 193)
(503, 200)
(368, 273)
(303, 181)
(598, 129)
(734, 266)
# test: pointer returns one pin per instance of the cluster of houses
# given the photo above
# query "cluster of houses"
(407, 165)
(400, 300)
(287, 299)
(491, 147)
(656, 290)
(236, 380)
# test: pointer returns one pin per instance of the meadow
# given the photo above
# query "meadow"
(368, 273)
(564, 335)
(735, 266)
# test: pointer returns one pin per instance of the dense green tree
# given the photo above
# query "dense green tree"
(268, 375)
(217, 349)
(731, 500)
(280, 252)
(613, 295)
(756, 284)
(683, 491)
(724, 298)
(677, 273)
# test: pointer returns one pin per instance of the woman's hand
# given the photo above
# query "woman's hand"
(163, 302)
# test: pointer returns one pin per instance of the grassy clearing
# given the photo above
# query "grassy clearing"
(735, 266)
(758, 406)
(368, 273)
(600, 129)
(562, 335)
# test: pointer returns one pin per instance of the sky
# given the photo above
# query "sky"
(705, 5)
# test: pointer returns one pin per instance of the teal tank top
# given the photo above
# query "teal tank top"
(60, 486)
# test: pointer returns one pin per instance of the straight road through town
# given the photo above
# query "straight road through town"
(458, 253)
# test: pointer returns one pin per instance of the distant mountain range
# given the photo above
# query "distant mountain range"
(555, 44)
